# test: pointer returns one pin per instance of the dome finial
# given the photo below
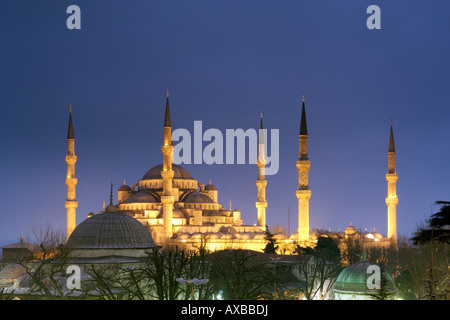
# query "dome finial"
(111, 207)
(111, 195)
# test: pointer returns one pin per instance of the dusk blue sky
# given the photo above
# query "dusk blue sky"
(224, 62)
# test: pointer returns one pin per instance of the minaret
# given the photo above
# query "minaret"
(303, 193)
(392, 199)
(261, 183)
(167, 174)
(71, 182)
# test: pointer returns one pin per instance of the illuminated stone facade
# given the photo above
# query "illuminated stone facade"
(178, 209)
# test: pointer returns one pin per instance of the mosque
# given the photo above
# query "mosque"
(177, 209)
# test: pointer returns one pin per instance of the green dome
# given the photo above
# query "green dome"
(354, 279)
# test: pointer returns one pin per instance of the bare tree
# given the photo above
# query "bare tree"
(244, 275)
(46, 267)
(319, 268)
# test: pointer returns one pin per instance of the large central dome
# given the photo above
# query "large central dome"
(179, 173)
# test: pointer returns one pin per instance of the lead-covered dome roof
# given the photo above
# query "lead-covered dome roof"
(142, 197)
(110, 230)
(179, 173)
(197, 197)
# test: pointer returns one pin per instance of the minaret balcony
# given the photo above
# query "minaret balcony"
(392, 200)
(71, 182)
(167, 174)
(167, 199)
(71, 159)
(303, 165)
(71, 204)
(261, 204)
(391, 177)
(303, 194)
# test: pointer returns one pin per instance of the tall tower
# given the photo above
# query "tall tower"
(71, 182)
(167, 174)
(261, 183)
(392, 199)
(303, 193)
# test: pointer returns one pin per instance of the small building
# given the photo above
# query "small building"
(19, 251)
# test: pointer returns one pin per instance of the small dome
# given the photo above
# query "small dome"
(213, 235)
(124, 188)
(354, 279)
(179, 173)
(197, 197)
(350, 230)
(245, 235)
(110, 230)
(225, 229)
(228, 236)
(210, 187)
(377, 235)
(142, 197)
(183, 236)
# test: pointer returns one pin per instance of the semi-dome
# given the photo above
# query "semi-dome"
(142, 197)
(197, 197)
(212, 213)
(177, 213)
(352, 282)
(179, 173)
(110, 230)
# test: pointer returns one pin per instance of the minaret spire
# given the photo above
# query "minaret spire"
(392, 198)
(71, 203)
(261, 182)
(167, 174)
(303, 193)
(70, 134)
(391, 140)
(303, 127)
(167, 122)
